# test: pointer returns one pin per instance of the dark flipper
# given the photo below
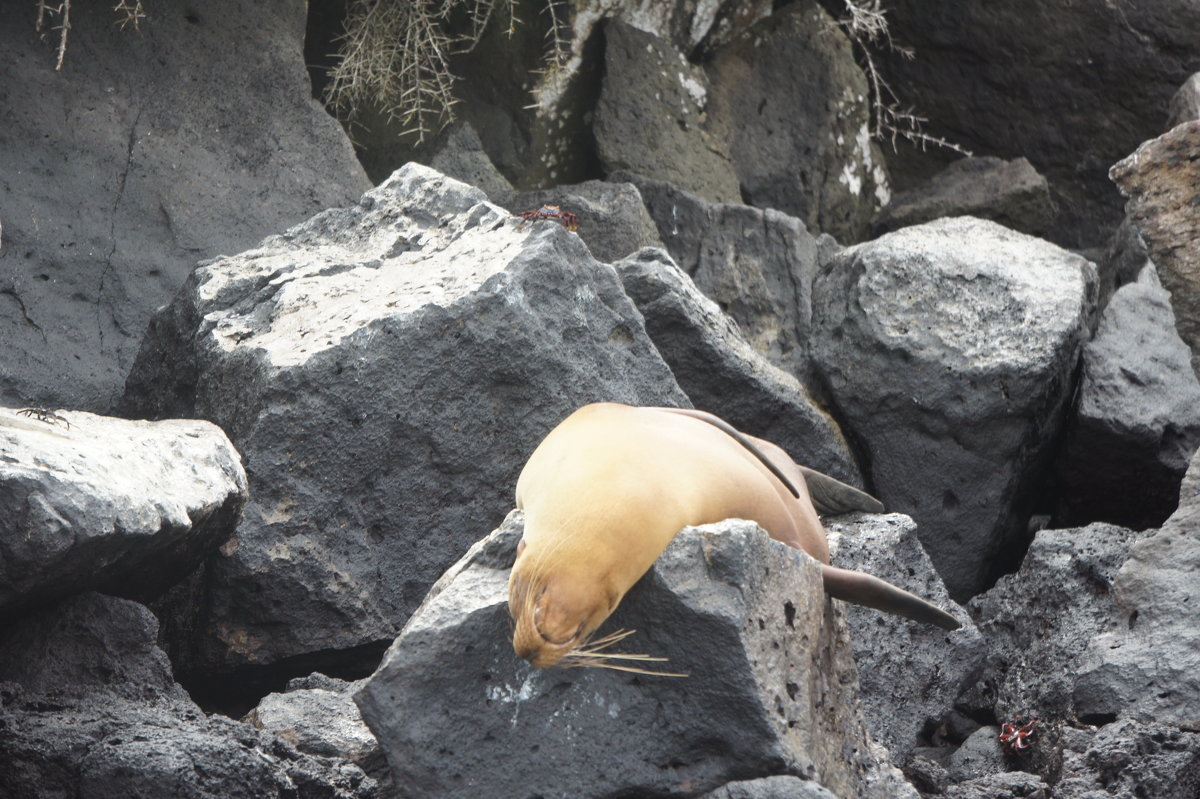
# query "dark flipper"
(864, 589)
(741, 438)
(832, 497)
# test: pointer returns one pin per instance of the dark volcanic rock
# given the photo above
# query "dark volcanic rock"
(1009, 192)
(949, 349)
(1137, 418)
(151, 149)
(612, 217)
(795, 105)
(910, 673)
(650, 118)
(1005, 785)
(770, 687)
(1160, 180)
(462, 157)
(90, 502)
(1132, 759)
(1185, 105)
(1071, 86)
(321, 721)
(782, 787)
(722, 374)
(385, 370)
(88, 708)
(758, 265)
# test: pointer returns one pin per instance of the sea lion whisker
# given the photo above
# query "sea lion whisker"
(596, 644)
(630, 669)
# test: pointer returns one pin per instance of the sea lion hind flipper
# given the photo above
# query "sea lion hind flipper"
(832, 497)
(866, 589)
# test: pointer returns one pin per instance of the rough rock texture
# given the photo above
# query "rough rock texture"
(781, 787)
(758, 265)
(1007, 785)
(1150, 663)
(90, 502)
(795, 105)
(1137, 419)
(1011, 193)
(1130, 759)
(88, 708)
(910, 673)
(385, 370)
(949, 350)
(722, 374)
(1040, 624)
(1185, 105)
(651, 119)
(151, 149)
(770, 690)
(320, 721)
(979, 756)
(1124, 259)
(1071, 86)
(1160, 180)
(460, 155)
(613, 221)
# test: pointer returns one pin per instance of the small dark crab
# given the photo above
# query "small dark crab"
(552, 212)
(44, 415)
(1017, 738)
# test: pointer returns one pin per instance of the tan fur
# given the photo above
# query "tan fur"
(605, 493)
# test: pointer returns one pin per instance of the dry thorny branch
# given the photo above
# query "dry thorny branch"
(866, 25)
(395, 56)
(129, 12)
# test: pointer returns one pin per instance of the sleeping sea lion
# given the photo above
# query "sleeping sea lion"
(607, 490)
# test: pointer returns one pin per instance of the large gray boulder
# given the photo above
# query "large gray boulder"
(1137, 417)
(721, 373)
(796, 107)
(910, 673)
(949, 349)
(88, 707)
(1071, 86)
(1160, 180)
(91, 502)
(651, 116)
(1011, 193)
(151, 149)
(385, 369)
(771, 686)
(757, 265)
(1185, 105)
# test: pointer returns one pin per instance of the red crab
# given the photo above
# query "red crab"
(1016, 738)
(564, 218)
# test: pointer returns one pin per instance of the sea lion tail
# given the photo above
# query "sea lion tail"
(832, 497)
(865, 589)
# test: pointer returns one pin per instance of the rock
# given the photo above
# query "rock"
(1124, 259)
(144, 154)
(319, 721)
(1040, 624)
(1185, 105)
(979, 756)
(385, 370)
(949, 350)
(1006, 785)
(461, 156)
(91, 710)
(910, 673)
(796, 107)
(722, 374)
(757, 265)
(1160, 180)
(781, 787)
(1130, 759)
(1011, 193)
(1137, 419)
(650, 118)
(91, 502)
(612, 218)
(770, 687)
(1099, 84)
(1147, 664)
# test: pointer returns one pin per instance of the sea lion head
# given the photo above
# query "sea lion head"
(555, 613)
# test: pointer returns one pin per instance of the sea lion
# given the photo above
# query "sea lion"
(606, 491)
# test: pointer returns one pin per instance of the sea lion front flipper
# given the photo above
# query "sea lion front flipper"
(832, 497)
(865, 589)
